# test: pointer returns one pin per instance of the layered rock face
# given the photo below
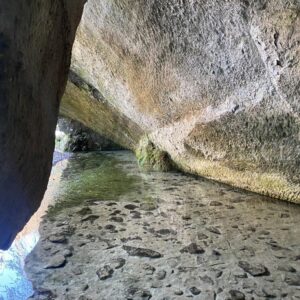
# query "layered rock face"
(215, 84)
(35, 46)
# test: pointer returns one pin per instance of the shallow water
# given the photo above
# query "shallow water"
(116, 232)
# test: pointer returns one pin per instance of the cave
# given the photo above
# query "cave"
(180, 133)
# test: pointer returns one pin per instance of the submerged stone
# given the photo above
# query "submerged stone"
(57, 261)
(142, 252)
(192, 248)
(254, 269)
(105, 272)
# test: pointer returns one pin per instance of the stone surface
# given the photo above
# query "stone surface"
(231, 266)
(213, 85)
(36, 38)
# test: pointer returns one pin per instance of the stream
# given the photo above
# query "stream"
(113, 231)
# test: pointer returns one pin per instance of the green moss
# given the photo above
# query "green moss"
(92, 177)
(152, 158)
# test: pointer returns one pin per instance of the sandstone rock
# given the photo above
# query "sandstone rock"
(34, 57)
(231, 113)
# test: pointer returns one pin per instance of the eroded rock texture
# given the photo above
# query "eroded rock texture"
(35, 44)
(215, 84)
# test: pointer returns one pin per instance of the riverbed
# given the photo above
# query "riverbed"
(114, 231)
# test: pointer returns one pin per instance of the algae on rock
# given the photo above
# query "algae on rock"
(151, 157)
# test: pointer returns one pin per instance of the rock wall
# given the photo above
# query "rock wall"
(35, 46)
(216, 84)
(72, 136)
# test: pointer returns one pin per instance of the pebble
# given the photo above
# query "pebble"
(57, 261)
(195, 291)
(236, 295)
(192, 248)
(213, 230)
(254, 269)
(131, 206)
(142, 252)
(160, 275)
(105, 272)
(292, 279)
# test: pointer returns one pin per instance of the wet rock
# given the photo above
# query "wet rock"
(118, 263)
(149, 270)
(219, 274)
(83, 297)
(156, 284)
(141, 252)
(269, 293)
(195, 291)
(111, 204)
(216, 252)
(284, 215)
(207, 279)
(230, 207)
(202, 236)
(131, 238)
(178, 292)
(287, 268)
(110, 227)
(77, 270)
(166, 231)
(43, 293)
(90, 218)
(236, 295)
(131, 206)
(84, 211)
(105, 272)
(67, 253)
(215, 203)
(135, 215)
(213, 230)
(57, 238)
(115, 212)
(160, 275)
(292, 279)
(254, 269)
(138, 294)
(148, 206)
(237, 200)
(57, 261)
(192, 248)
(117, 219)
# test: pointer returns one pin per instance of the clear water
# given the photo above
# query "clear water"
(176, 203)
